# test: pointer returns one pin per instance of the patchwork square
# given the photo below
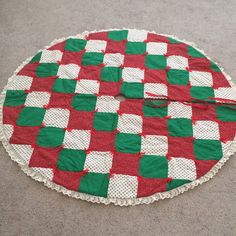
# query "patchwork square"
(75, 45)
(56, 117)
(69, 71)
(123, 186)
(50, 56)
(95, 46)
(105, 121)
(206, 130)
(64, 86)
(155, 62)
(182, 168)
(20, 82)
(180, 127)
(113, 59)
(136, 48)
(118, 35)
(87, 86)
(154, 145)
(179, 110)
(128, 123)
(153, 90)
(47, 69)
(132, 90)
(15, 98)
(77, 139)
(98, 162)
(177, 62)
(130, 74)
(199, 78)
(156, 48)
(92, 58)
(153, 108)
(84, 102)
(202, 93)
(179, 77)
(137, 35)
(107, 104)
(111, 74)
(37, 99)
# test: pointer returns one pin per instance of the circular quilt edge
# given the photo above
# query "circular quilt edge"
(95, 199)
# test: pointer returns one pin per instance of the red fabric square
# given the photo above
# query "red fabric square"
(177, 92)
(116, 46)
(180, 49)
(132, 106)
(102, 141)
(24, 135)
(44, 157)
(61, 100)
(42, 84)
(203, 112)
(219, 80)
(155, 76)
(29, 70)
(137, 61)
(149, 186)
(58, 46)
(10, 114)
(67, 179)
(90, 72)
(151, 37)
(199, 64)
(227, 130)
(155, 126)
(80, 120)
(180, 147)
(98, 36)
(203, 166)
(125, 164)
(72, 57)
(109, 88)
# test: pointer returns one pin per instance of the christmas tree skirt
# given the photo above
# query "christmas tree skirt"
(63, 124)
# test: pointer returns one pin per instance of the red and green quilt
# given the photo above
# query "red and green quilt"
(62, 121)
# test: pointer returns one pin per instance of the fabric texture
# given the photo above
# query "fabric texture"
(178, 122)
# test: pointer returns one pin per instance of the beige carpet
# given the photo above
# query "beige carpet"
(29, 208)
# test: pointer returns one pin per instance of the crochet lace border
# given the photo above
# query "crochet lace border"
(121, 202)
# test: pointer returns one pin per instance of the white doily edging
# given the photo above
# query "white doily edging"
(121, 202)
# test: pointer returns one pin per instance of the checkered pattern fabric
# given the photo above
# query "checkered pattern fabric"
(61, 116)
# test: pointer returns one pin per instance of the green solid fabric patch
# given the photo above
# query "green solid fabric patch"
(47, 69)
(105, 121)
(178, 77)
(112, 74)
(194, 52)
(136, 48)
(226, 113)
(36, 58)
(207, 149)
(128, 143)
(92, 58)
(132, 90)
(15, 98)
(202, 93)
(156, 62)
(118, 35)
(155, 108)
(84, 102)
(95, 184)
(180, 127)
(50, 137)
(31, 116)
(64, 86)
(174, 183)
(71, 160)
(75, 45)
(153, 166)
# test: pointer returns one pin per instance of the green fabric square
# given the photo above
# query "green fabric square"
(155, 62)
(153, 166)
(128, 143)
(205, 149)
(105, 121)
(179, 77)
(75, 45)
(94, 184)
(36, 58)
(31, 116)
(47, 69)
(202, 93)
(118, 35)
(132, 90)
(136, 48)
(155, 108)
(176, 183)
(112, 74)
(64, 86)
(180, 127)
(92, 58)
(50, 137)
(194, 52)
(84, 102)
(226, 113)
(215, 67)
(71, 160)
(15, 98)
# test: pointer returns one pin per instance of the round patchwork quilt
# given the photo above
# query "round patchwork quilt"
(63, 123)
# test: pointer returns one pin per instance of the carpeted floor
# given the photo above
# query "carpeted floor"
(29, 208)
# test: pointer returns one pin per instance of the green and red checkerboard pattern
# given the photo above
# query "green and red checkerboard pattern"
(61, 116)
